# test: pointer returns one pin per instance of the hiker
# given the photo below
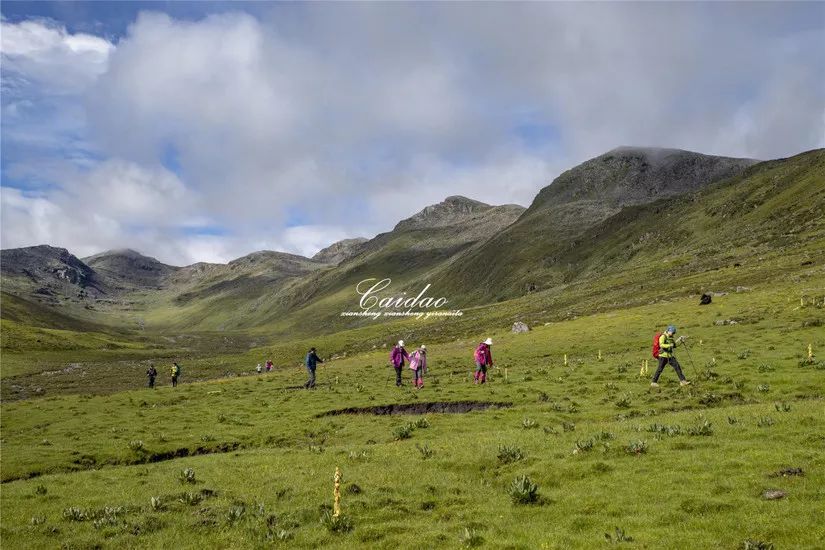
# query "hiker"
(152, 373)
(484, 359)
(664, 353)
(311, 362)
(175, 374)
(397, 356)
(259, 369)
(268, 365)
(418, 364)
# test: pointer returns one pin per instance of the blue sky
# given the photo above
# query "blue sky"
(204, 131)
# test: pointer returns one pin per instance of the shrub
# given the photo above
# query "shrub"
(782, 407)
(422, 422)
(568, 426)
(583, 446)
(425, 451)
(764, 421)
(529, 424)
(74, 513)
(186, 475)
(732, 420)
(192, 499)
(40, 490)
(624, 402)
(666, 430)
(705, 428)
(764, 388)
(156, 503)
(336, 524)
(636, 448)
(618, 536)
(470, 538)
(137, 446)
(404, 431)
(524, 491)
(749, 544)
(508, 454)
(236, 512)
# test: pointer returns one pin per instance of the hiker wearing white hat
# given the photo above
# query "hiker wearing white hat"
(397, 356)
(418, 364)
(484, 359)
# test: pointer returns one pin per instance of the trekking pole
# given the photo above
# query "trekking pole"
(690, 358)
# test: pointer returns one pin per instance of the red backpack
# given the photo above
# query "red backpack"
(656, 345)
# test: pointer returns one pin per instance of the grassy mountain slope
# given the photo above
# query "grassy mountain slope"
(674, 468)
(545, 249)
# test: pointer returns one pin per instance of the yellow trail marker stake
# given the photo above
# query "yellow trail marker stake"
(810, 353)
(505, 373)
(565, 359)
(801, 302)
(600, 355)
(336, 507)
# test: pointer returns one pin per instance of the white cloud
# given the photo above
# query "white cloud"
(57, 61)
(337, 119)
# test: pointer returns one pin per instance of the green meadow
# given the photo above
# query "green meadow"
(577, 455)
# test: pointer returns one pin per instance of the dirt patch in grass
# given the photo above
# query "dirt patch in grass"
(455, 407)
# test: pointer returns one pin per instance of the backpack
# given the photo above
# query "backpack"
(480, 354)
(656, 345)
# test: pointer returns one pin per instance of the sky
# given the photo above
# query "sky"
(205, 131)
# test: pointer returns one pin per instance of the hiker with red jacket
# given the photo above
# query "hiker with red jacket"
(663, 346)
(397, 357)
(418, 364)
(268, 365)
(484, 358)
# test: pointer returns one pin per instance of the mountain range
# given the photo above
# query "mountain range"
(621, 219)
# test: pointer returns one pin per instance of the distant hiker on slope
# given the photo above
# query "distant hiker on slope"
(311, 362)
(418, 364)
(663, 346)
(152, 373)
(397, 356)
(268, 365)
(484, 358)
(175, 374)
(259, 369)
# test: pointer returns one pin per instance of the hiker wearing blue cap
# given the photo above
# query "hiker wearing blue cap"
(664, 353)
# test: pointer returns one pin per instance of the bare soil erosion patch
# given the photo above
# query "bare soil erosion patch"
(422, 408)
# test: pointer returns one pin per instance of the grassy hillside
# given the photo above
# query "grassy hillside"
(735, 221)
(675, 468)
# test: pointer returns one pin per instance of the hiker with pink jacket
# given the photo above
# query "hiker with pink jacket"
(397, 356)
(484, 359)
(418, 364)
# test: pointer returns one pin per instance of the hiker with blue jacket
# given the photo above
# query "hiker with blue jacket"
(311, 362)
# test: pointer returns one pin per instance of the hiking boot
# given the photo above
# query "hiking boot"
(684, 383)
(654, 385)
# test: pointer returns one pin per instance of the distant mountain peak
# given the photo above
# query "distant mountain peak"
(453, 210)
(340, 251)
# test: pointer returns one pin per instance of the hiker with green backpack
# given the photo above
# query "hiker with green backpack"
(175, 374)
(663, 350)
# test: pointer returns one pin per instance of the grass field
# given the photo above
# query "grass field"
(248, 461)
